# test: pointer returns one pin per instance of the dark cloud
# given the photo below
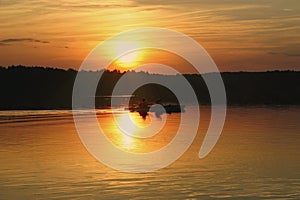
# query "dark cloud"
(12, 40)
(285, 54)
(292, 54)
(3, 44)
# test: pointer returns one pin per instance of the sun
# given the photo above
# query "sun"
(130, 59)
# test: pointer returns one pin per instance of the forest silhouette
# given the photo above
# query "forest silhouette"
(51, 88)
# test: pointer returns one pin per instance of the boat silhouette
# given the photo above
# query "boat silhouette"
(157, 108)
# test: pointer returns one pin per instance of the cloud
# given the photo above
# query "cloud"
(12, 40)
(292, 54)
(3, 44)
(285, 54)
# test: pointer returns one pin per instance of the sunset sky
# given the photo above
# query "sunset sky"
(253, 35)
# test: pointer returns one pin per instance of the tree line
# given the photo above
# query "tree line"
(51, 88)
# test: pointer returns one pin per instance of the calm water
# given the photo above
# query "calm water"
(257, 157)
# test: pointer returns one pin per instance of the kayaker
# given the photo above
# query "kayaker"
(143, 104)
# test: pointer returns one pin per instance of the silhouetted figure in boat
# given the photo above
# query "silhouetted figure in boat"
(143, 109)
(142, 104)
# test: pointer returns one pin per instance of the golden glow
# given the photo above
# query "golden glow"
(127, 60)
(149, 56)
(251, 37)
(134, 144)
(126, 142)
(137, 121)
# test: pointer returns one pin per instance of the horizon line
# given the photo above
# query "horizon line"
(125, 71)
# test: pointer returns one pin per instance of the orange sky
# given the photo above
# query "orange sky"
(240, 35)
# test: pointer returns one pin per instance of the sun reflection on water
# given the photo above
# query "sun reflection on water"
(128, 141)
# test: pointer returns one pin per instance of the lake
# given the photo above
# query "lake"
(256, 157)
